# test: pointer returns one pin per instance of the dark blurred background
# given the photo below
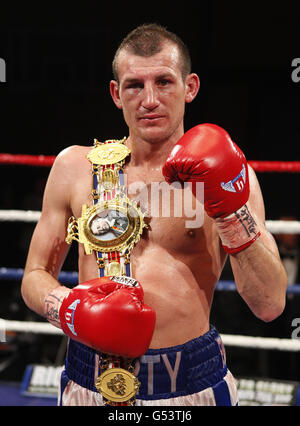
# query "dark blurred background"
(58, 67)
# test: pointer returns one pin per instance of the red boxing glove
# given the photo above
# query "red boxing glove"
(108, 314)
(207, 154)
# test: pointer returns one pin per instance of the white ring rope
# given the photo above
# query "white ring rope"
(19, 215)
(273, 226)
(283, 226)
(270, 343)
(29, 327)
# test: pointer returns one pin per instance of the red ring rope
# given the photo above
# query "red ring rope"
(28, 160)
(47, 161)
(276, 166)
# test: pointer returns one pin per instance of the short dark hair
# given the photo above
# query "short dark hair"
(147, 40)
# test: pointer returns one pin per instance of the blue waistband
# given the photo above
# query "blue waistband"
(163, 373)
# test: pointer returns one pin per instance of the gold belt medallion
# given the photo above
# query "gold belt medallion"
(108, 153)
(112, 225)
(117, 385)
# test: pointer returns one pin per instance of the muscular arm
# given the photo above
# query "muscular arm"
(48, 249)
(259, 274)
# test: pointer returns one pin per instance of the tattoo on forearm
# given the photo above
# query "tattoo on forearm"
(52, 312)
(247, 220)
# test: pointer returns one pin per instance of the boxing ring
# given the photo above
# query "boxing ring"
(229, 340)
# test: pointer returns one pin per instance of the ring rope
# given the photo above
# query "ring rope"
(16, 274)
(19, 216)
(65, 277)
(48, 160)
(31, 216)
(290, 345)
(27, 160)
(275, 166)
(269, 343)
(29, 327)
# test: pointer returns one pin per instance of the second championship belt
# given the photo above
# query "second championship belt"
(110, 228)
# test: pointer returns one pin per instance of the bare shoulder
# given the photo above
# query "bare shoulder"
(69, 161)
(68, 164)
(72, 154)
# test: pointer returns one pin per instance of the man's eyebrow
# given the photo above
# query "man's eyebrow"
(132, 80)
(163, 75)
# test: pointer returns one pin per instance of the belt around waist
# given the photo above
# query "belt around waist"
(168, 372)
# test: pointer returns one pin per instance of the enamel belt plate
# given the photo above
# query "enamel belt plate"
(111, 225)
(117, 385)
(108, 153)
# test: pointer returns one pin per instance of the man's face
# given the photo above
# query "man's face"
(152, 93)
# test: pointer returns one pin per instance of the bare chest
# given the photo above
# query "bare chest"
(174, 218)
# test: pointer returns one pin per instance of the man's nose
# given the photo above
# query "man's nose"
(150, 97)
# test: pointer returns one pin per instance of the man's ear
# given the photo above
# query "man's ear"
(192, 87)
(115, 94)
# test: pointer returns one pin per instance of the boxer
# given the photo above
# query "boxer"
(183, 360)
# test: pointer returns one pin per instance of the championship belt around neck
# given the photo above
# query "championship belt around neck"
(110, 228)
(114, 224)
